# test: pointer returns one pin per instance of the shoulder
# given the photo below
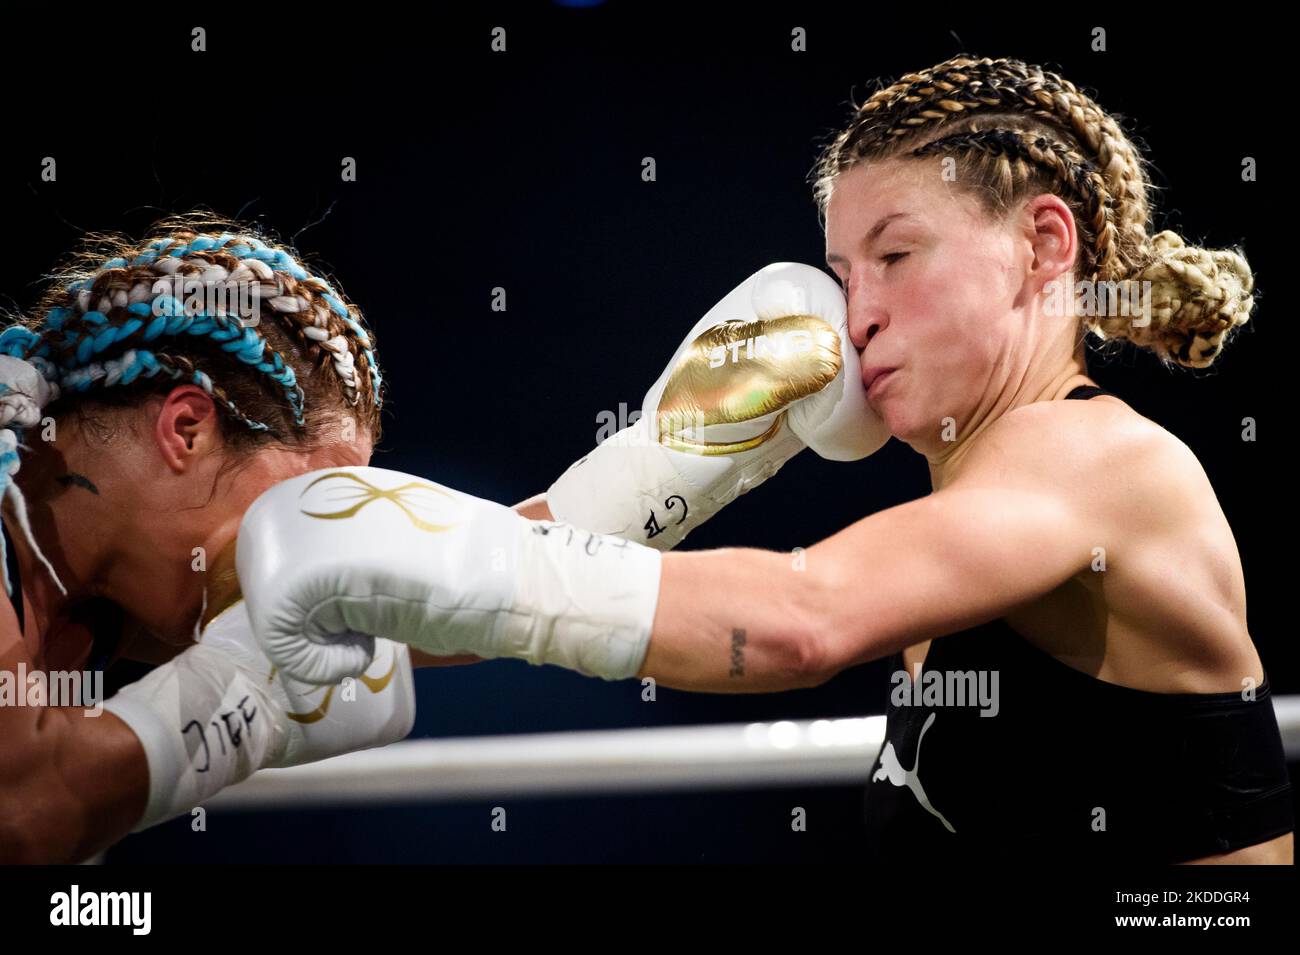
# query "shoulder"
(1100, 452)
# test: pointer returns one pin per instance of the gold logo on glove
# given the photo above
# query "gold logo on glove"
(740, 371)
(358, 492)
(375, 684)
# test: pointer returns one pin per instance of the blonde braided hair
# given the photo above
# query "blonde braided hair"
(1017, 130)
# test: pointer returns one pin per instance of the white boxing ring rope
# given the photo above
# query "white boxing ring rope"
(728, 756)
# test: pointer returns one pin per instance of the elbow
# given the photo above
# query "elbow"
(22, 839)
(820, 641)
(789, 658)
(808, 658)
(22, 810)
(41, 821)
(812, 663)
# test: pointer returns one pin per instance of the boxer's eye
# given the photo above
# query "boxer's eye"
(893, 257)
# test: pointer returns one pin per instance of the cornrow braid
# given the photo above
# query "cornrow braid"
(118, 322)
(1065, 164)
(965, 86)
(1018, 129)
(17, 341)
(90, 334)
(133, 301)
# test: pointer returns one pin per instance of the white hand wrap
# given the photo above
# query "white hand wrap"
(218, 712)
(205, 723)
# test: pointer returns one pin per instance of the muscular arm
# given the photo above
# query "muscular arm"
(70, 785)
(747, 620)
(708, 637)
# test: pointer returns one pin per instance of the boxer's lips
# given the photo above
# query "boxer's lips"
(873, 378)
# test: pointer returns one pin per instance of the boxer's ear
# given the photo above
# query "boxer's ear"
(187, 428)
(1049, 225)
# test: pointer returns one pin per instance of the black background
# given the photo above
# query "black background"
(523, 171)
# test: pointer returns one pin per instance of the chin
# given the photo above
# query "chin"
(904, 428)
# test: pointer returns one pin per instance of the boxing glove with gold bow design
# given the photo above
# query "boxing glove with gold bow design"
(768, 371)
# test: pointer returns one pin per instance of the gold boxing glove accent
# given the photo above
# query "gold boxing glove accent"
(768, 371)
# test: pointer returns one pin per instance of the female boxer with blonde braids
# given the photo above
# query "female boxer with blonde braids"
(1074, 675)
(152, 404)
(1135, 707)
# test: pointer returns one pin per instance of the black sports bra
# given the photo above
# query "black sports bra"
(1005, 752)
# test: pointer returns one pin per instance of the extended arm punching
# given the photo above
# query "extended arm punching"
(365, 551)
(335, 558)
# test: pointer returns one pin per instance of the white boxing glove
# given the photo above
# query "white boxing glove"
(332, 559)
(375, 709)
(768, 371)
(218, 712)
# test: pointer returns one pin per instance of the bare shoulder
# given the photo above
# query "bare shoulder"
(1171, 600)
(1101, 452)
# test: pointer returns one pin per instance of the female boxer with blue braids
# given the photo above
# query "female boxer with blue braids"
(146, 411)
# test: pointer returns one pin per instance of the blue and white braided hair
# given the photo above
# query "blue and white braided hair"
(121, 315)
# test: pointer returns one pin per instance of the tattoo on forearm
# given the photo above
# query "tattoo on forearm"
(80, 480)
(737, 652)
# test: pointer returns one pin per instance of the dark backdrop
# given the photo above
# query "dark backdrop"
(523, 171)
